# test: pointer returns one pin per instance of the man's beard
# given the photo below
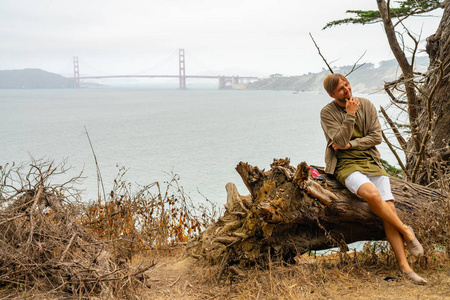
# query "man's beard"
(342, 100)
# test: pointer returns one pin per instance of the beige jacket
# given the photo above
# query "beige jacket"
(338, 128)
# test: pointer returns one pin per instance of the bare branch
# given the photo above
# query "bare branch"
(12, 218)
(396, 155)
(399, 107)
(400, 20)
(416, 41)
(354, 68)
(99, 174)
(394, 128)
(61, 259)
(323, 58)
(393, 98)
(413, 12)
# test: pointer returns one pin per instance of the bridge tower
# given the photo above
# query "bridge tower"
(76, 72)
(182, 69)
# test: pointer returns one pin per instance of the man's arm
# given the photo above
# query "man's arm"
(337, 133)
(373, 136)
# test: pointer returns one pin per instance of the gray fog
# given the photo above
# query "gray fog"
(245, 37)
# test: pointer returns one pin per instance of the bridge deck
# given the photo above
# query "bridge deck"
(165, 76)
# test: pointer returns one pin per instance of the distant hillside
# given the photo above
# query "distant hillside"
(364, 80)
(33, 79)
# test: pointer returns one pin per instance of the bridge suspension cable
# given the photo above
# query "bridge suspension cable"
(67, 70)
(164, 61)
(84, 63)
(204, 66)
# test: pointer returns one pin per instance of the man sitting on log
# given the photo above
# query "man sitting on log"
(352, 130)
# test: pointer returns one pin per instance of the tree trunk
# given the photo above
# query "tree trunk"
(407, 71)
(436, 160)
(289, 213)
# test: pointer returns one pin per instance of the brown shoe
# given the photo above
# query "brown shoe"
(412, 276)
(414, 247)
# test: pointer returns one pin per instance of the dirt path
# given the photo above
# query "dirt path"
(176, 278)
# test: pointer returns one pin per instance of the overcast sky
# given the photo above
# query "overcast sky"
(231, 37)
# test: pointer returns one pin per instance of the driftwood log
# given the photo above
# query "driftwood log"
(289, 213)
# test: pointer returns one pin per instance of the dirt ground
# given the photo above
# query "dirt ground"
(178, 278)
(175, 277)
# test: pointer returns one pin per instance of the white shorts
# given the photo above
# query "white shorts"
(354, 181)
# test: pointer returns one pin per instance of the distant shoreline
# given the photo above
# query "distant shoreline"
(367, 79)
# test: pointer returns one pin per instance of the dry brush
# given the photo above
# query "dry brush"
(43, 247)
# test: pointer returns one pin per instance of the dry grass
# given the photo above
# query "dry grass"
(154, 217)
(360, 276)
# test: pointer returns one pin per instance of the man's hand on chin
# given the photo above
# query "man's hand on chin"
(352, 105)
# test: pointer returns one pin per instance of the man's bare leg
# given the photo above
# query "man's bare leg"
(370, 193)
(396, 240)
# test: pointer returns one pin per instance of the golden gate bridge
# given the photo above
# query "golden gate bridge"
(224, 82)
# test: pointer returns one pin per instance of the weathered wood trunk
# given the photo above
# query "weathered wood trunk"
(436, 162)
(289, 213)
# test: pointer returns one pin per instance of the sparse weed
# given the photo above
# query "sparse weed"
(155, 217)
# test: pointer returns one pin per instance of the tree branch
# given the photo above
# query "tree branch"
(416, 41)
(403, 12)
(399, 107)
(400, 20)
(406, 69)
(388, 91)
(396, 155)
(323, 58)
(354, 68)
(394, 128)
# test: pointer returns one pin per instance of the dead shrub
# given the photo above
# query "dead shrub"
(43, 248)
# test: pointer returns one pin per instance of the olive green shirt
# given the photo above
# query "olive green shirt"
(352, 160)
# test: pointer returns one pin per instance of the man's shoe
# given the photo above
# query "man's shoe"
(413, 277)
(414, 247)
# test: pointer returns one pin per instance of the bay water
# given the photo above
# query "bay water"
(201, 135)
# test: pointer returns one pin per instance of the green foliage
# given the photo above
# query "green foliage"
(405, 8)
(424, 4)
(391, 170)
